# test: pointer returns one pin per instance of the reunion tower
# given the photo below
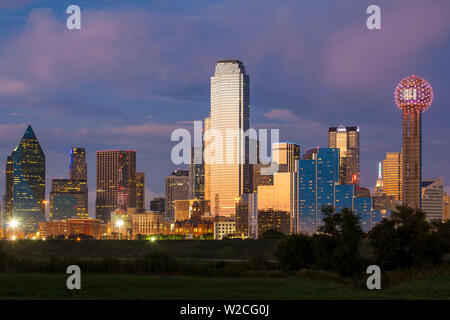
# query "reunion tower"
(413, 96)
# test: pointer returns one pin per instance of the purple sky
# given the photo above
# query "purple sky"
(139, 69)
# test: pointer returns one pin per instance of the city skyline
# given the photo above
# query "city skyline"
(302, 105)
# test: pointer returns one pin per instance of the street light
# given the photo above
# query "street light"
(13, 223)
(119, 223)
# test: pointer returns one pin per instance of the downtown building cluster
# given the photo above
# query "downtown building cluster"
(217, 199)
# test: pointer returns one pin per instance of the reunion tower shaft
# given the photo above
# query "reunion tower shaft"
(413, 96)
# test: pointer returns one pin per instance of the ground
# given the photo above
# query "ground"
(53, 286)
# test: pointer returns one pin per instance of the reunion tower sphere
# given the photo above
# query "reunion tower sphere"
(413, 94)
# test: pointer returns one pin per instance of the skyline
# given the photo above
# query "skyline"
(302, 105)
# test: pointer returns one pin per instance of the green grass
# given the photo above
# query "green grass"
(182, 249)
(53, 286)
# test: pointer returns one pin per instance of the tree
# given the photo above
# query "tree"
(336, 246)
(295, 252)
(273, 234)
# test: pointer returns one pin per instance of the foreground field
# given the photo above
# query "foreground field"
(181, 249)
(53, 286)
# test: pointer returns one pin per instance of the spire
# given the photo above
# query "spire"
(29, 133)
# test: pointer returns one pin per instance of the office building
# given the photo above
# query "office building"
(29, 182)
(146, 223)
(446, 207)
(9, 190)
(70, 229)
(224, 227)
(197, 174)
(413, 96)
(116, 182)
(177, 188)
(346, 139)
(186, 209)
(68, 199)
(393, 175)
(229, 171)
(433, 203)
(140, 190)
(158, 205)
(78, 165)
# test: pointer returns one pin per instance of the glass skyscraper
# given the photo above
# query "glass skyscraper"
(229, 172)
(29, 182)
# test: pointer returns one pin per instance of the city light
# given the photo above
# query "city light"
(13, 223)
(119, 223)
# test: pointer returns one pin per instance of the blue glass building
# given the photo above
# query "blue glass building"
(29, 182)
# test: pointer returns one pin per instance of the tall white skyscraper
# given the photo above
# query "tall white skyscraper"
(229, 170)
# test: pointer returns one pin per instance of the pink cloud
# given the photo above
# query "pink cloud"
(153, 129)
(10, 87)
(358, 57)
(281, 114)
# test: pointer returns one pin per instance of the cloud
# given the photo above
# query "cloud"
(10, 87)
(281, 114)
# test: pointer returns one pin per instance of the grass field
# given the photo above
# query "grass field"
(53, 286)
(181, 249)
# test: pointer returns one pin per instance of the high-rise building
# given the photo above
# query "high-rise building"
(140, 190)
(230, 113)
(287, 154)
(116, 182)
(392, 175)
(78, 165)
(9, 190)
(68, 199)
(29, 182)
(433, 198)
(446, 207)
(197, 174)
(158, 205)
(177, 188)
(378, 190)
(347, 140)
(413, 96)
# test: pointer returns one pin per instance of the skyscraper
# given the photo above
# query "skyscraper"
(413, 96)
(433, 198)
(29, 182)
(392, 175)
(177, 188)
(347, 140)
(78, 165)
(196, 175)
(68, 199)
(229, 169)
(286, 153)
(140, 190)
(9, 190)
(158, 205)
(116, 182)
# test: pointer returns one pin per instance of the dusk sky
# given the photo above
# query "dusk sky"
(139, 69)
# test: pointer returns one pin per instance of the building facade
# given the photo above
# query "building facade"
(140, 190)
(68, 199)
(158, 204)
(78, 165)
(229, 171)
(29, 182)
(9, 191)
(116, 182)
(70, 227)
(346, 139)
(177, 188)
(433, 198)
(393, 175)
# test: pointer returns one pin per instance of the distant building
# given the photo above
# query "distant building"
(116, 182)
(197, 174)
(140, 190)
(346, 139)
(247, 216)
(177, 188)
(433, 198)
(68, 199)
(158, 205)
(9, 191)
(224, 227)
(446, 207)
(146, 224)
(185, 209)
(392, 175)
(78, 165)
(270, 219)
(70, 227)
(29, 182)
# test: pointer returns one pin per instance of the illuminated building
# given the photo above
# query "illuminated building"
(146, 224)
(433, 198)
(186, 209)
(9, 190)
(413, 96)
(446, 207)
(224, 227)
(29, 182)
(392, 175)
(378, 190)
(158, 205)
(78, 165)
(68, 199)
(116, 182)
(247, 215)
(347, 140)
(197, 174)
(70, 227)
(287, 154)
(229, 172)
(271, 219)
(206, 166)
(140, 190)
(177, 188)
